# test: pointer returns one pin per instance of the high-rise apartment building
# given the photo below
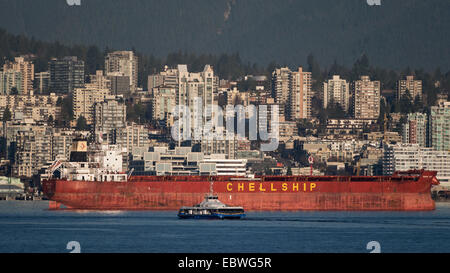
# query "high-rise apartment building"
(66, 75)
(26, 68)
(440, 126)
(366, 98)
(99, 81)
(42, 82)
(164, 102)
(110, 116)
(413, 86)
(300, 95)
(179, 87)
(9, 81)
(196, 91)
(33, 149)
(84, 100)
(123, 63)
(415, 130)
(281, 84)
(166, 78)
(336, 90)
(292, 89)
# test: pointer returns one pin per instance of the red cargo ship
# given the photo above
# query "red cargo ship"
(403, 191)
(87, 186)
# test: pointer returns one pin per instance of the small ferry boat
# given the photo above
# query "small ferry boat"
(211, 208)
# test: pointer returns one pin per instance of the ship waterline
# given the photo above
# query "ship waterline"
(406, 192)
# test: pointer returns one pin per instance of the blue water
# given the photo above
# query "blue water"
(30, 227)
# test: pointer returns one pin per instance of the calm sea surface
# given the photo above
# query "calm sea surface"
(30, 227)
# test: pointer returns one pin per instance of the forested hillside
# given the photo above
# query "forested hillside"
(397, 34)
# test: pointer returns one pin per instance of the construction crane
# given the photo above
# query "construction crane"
(386, 120)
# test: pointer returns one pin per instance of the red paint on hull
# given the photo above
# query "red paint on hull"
(271, 194)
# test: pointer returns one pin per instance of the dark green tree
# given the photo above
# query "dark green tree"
(418, 104)
(6, 114)
(14, 91)
(405, 103)
(360, 68)
(66, 116)
(82, 124)
(94, 60)
(50, 120)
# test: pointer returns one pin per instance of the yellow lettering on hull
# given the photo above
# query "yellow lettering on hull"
(241, 187)
(272, 188)
(261, 187)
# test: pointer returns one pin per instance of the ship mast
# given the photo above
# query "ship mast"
(211, 191)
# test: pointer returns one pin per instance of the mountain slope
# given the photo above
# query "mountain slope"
(397, 34)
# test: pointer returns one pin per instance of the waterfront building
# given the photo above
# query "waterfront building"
(440, 126)
(415, 130)
(404, 157)
(182, 161)
(32, 149)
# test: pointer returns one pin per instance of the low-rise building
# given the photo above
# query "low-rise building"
(404, 157)
(182, 161)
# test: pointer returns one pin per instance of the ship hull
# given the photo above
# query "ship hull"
(378, 194)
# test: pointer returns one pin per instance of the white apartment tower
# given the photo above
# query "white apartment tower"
(196, 90)
(336, 90)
